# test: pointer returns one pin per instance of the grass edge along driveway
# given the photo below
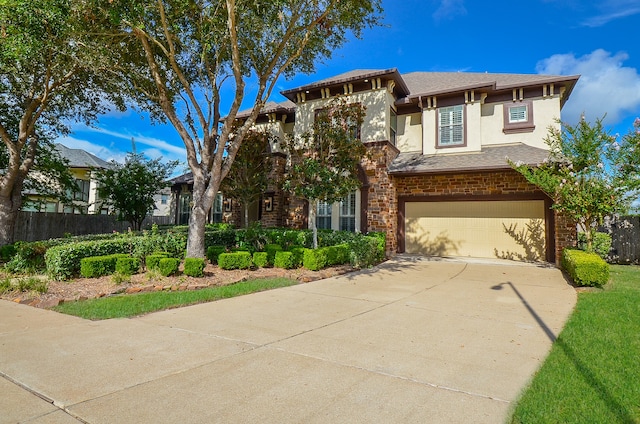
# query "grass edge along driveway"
(123, 306)
(592, 372)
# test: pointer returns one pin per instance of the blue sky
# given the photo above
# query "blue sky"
(596, 40)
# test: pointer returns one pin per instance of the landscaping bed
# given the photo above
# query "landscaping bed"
(90, 288)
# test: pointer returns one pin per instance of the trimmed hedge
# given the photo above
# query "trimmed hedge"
(315, 259)
(261, 259)
(235, 260)
(168, 266)
(98, 266)
(153, 261)
(128, 266)
(585, 269)
(213, 252)
(271, 250)
(194, 267)
(286, 260)
(63, 261)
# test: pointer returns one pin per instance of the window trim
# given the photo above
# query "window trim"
(464, 127)
(517, 127)
(393, 129)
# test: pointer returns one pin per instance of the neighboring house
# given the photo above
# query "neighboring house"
(437, 180)
(84, 199)
(163, 202)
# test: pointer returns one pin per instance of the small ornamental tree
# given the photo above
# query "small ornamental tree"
(324, 162)
(130, 187)
(248, 176)
(589, 174)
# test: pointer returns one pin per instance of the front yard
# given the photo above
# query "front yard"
(592, 374)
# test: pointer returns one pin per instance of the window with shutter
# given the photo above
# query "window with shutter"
(518, 117)
(451, 126)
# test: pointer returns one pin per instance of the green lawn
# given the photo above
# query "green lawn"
(592, 374)
(137, 304)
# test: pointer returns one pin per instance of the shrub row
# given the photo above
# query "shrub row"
(584, 268)
(98, 266)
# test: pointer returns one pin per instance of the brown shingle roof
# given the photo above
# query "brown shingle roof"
(355, 75)
(430, 83)
(489, 158)
(271, 107)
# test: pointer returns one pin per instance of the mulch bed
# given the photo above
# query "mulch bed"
(90, 288)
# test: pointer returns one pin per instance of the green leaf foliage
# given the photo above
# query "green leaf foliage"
(127, 265)
(53, 71)
(260, 259)
(590, 174)
(194, 267)
(213, 252)
(153, 261)
(585, 269)
(130, 187)
(98, 266)
(235, 260)
(168, 266)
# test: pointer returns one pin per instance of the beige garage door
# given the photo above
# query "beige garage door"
(492, 229)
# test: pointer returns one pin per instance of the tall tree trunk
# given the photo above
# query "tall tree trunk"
(195, 240)
(246, 214)
(313, 207)
(8, 218)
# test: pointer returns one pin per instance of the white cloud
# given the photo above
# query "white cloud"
(167, 150)
(448, 9)
(605, 85)
(601, 20)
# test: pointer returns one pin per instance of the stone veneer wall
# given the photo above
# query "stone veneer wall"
(381, 206)
(490, 183)
(276, 217)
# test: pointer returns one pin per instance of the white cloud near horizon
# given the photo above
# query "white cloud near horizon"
(100, 151)
(605, 87)
(156, 146)
(601, 20)
(448, 9)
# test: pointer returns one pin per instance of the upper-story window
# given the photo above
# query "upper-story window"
(451, 126)
(82, 192)
(518, 117)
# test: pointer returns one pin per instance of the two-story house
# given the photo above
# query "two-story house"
(437, 180)
(84, 199)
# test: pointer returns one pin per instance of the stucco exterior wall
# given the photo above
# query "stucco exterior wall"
(375, 126)
(409, 133)
(545, 113)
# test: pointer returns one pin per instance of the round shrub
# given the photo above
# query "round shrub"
(194, 267)
(152, 261)
(213, 252)
(261, 259)
(128, 266)
(168, 266)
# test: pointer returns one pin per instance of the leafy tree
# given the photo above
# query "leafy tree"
(51, 73)
(130, 187)
(248, 177)
(192, 48)
(590, 174)
(324, 162)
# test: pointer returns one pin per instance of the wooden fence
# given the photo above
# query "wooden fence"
(625, 239)
(33, 226)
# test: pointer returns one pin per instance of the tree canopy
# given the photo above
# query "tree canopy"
(191, 49)
(248, 177)
(52, 72)
(324, 162)
(590, 174)
(130, 187)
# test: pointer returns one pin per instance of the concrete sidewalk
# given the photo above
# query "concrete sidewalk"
(409, 341)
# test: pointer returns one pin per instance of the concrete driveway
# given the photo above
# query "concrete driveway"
(410, 341)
